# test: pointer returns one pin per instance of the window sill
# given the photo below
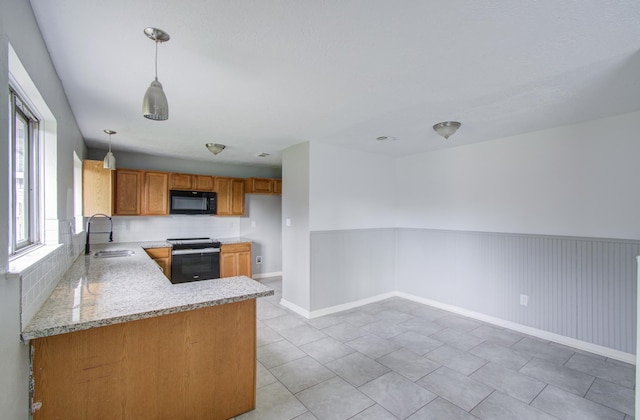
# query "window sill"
(22, 263)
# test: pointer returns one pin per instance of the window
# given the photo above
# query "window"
(24, 158)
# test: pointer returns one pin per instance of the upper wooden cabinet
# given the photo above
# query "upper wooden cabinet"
(132, 192)
(155, 194)
(190, 182)
(203, 183)
(128, 192)
(230, 196)
(263, 186)
(179, 181)
(141, 193)
(97, 188)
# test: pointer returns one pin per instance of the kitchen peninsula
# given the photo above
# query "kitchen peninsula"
(117, 340)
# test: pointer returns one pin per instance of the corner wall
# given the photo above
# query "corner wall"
(18, 26)
(295, 228)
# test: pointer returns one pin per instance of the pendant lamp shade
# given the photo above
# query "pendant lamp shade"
(154, 104)
(109, 161)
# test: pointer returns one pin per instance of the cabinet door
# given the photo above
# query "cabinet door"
(230, 196)
(97, 188)
(235, 260)
(203, 182)
(223, 196)
(128, 186)
(228, 264)
(156, 194)
(277, 186)
(237, 197)
(244, 264)
(180, 181)
(261, 185)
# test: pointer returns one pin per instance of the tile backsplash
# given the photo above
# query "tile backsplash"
(140, 229)
(40, 278)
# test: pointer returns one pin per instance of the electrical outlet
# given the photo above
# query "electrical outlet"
(259, 259)
(524, 300)
(253, 223)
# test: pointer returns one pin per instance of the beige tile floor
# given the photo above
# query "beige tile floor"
(398, 359)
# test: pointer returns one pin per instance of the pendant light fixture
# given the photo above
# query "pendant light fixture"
(447, 128)
(154, 105)
(109, 160)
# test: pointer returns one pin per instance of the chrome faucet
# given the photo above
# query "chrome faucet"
(87, 248)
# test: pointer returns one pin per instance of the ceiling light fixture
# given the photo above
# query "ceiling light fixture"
(386, 138)
(154, 105)
(263, 154)
(109, 160)
(215, 148)
(447, 128)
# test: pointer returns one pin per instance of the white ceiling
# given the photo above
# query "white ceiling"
(261, 75)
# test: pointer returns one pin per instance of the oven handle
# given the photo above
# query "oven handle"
(195, 251)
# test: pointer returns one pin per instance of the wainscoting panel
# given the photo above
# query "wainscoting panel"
(581, 288)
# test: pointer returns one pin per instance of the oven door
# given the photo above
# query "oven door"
(195, 264)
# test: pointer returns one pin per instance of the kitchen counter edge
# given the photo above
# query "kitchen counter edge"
(53, 317)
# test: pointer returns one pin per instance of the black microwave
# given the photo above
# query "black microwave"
(192, 202)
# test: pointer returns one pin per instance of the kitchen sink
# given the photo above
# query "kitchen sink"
(114, 253)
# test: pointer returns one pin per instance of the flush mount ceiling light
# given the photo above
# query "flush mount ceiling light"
(263, 154)
(154, 105)
(447, 128)
(109, 160)
(215, 148)
(385, 138)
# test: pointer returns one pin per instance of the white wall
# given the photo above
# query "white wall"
(265, 212)
(295, 237)
(350, 189)
(18, 26)
(578, 180)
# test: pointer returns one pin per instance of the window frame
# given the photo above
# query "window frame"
(18, 109)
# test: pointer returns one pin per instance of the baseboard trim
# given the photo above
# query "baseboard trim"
(295, 308)
(545, 335)
(350, 305)
(535, 332)
(266, 275)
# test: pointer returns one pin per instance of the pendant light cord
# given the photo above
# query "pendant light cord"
(156, 60)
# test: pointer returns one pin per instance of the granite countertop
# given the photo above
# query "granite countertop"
(234, 240)
(223, 241)
(102, 291)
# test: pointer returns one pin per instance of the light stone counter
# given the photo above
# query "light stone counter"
(102, 291)
(234, 240)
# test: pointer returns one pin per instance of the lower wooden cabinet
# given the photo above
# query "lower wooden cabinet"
(198, 364)
(235, 260)
(162, 256)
